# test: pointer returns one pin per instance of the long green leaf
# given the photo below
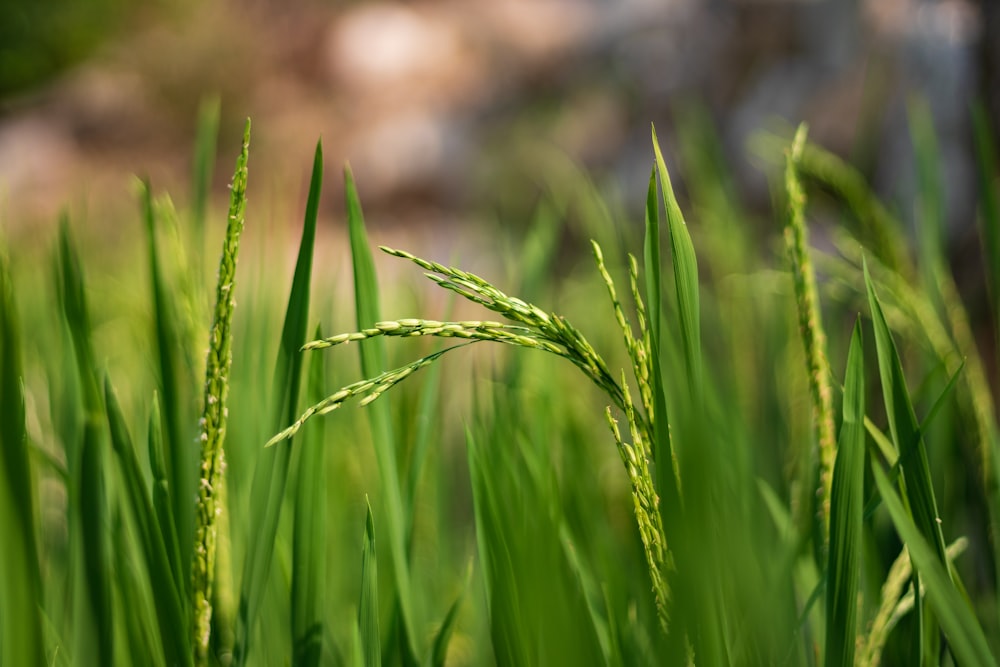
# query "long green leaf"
(887, 448)
(373, 362)
(843, 569)
(906, 435)
(439, 653)
(161, 497)
(368, 604)
(667, 482)
(965, 635)
(90, 484)
(904, 428)
(309, 554)
(685, 266)
(169, 612)
(510, 643)
(271, 471)
(20, 578)
(98, 559)
(596, 604)
(701, 623)
(179, 456)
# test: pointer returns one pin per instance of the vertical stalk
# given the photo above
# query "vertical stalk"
(810, 325)
(213, 421)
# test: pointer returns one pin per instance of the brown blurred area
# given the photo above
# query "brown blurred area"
(445, 107)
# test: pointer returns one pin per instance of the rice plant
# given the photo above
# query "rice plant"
(533, 328)
(703, 454)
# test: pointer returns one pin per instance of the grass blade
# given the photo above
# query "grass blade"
(666, 474)
(905, 429)
(20, 578)
(214, 416)
(846, 505)
(427, 409)
(965, 635)
(439, 652)
(77, 317)
(366, 293)
(685, 266)
(524, 562)
(271, 471)
(95, 523)
(701, 628)
(90, 482)
(373, 361)
(916, 476)
(309, 534)
(596, 603)
(506, 630)
(368, 604)
(810, 323)
(945, 394)
(179, 457)
(161, 500)
(169, 612)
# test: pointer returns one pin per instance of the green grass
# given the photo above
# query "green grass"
(659, 463)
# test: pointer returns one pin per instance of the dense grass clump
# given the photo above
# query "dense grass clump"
(697, 458)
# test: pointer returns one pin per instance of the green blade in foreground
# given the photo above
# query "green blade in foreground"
(439, 653)
(846, 505)
(676, 520)
(667, 481)
(162, 500)
(508, 636)
(20, 579)
(373, 362)
(904, 428)
(271, 471)
(89, 487)
(169, 612)
(916, 475)
(685, 266)
(965, 635)
(368, 605)
(309, 555)
(179, 456)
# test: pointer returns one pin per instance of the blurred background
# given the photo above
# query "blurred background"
(452, 111)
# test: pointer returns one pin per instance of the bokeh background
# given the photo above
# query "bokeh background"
(454, 110)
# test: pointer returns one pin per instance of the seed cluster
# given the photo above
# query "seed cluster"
(213, 421)
(533, 328)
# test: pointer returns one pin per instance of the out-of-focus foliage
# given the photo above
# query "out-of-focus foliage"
(40, 38)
